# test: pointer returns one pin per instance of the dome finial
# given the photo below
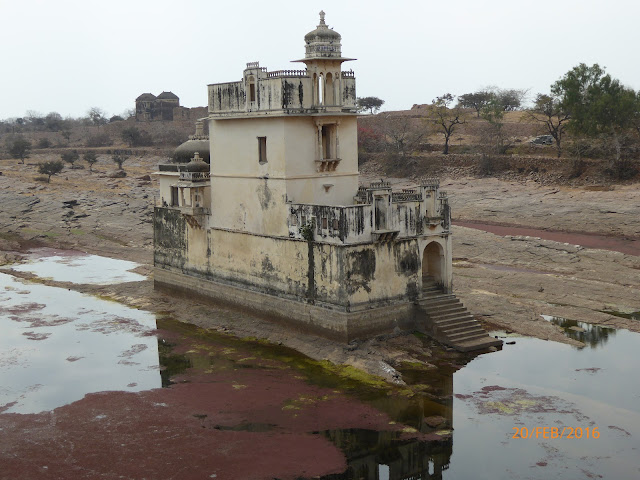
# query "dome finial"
(322, 18)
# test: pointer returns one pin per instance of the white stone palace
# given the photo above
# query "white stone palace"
(278, 223)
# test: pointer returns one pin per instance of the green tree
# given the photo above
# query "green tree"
(90, 158)
(548, 111)
(493, 113)
(599, 106)
(476, 100)
(372, 104)
(70, 157)
(446, 118)
(19, 147)
(50, 168)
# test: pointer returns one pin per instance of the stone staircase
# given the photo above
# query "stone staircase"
(446, 319)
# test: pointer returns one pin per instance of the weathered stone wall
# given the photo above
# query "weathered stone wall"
(169, 238)
(336, 276)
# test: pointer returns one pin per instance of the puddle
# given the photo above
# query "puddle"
(59, 345)
(587, 333)
(77, 267)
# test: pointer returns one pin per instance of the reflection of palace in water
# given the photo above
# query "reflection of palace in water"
(373, 455)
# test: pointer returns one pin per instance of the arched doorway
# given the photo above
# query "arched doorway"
(433, 264)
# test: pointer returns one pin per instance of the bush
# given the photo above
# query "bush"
(491, 164)
(99, 140)
(50, 168)
(135, 137)
(44, 143)
(70, 157)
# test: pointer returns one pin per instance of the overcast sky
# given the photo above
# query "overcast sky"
(70, 55)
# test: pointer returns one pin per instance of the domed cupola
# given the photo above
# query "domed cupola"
(196, 143)
(323, 42)
(196, 165)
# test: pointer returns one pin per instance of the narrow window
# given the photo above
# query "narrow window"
(174, 196)
(304, 219)
(321, 89)
(262, 150)
(328, 94)
(328, 141)
(335, 224)
(252, 89)
(294, 220)
(325, 223)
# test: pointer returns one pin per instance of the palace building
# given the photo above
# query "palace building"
(277, 221)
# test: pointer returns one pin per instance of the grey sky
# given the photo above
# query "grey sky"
(70, 55)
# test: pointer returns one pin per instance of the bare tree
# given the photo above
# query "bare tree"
(402, 134)
(446, 118)
(97, 116)
(548, 111)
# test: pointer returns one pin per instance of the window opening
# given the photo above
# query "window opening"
(252, 89)
(174, 196)
(262, 149)
(328, 96)
(328, 141)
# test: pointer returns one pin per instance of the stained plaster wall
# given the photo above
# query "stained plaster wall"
(282, 92)
(251, 196)
(340, 277)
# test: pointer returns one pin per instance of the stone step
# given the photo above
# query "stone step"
(466, 333)
(478, 344)
(457, 324)
(450, 322)
(443, 322)
(439, 300)
(447, 307)
(447, 315)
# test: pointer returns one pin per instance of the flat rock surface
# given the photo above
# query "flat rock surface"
(505, 281)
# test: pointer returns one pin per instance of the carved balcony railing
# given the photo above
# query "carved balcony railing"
(195, 176)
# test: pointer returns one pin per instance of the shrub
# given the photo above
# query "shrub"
(99, 140)
(44, 143)
(50, 168)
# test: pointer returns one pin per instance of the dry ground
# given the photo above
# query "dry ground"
(505, 281)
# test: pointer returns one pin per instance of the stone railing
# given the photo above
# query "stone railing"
(348, 74)
(431, 182)
(287, 73)
(380, 184)
(406, 196)
(195, 176)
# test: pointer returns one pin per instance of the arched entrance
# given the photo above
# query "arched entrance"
(433, 265)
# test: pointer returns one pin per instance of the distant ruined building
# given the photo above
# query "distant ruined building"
(151, 108)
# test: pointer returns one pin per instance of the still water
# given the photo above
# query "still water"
(58, 345)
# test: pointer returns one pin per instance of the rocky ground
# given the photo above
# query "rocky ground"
(506, 281)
